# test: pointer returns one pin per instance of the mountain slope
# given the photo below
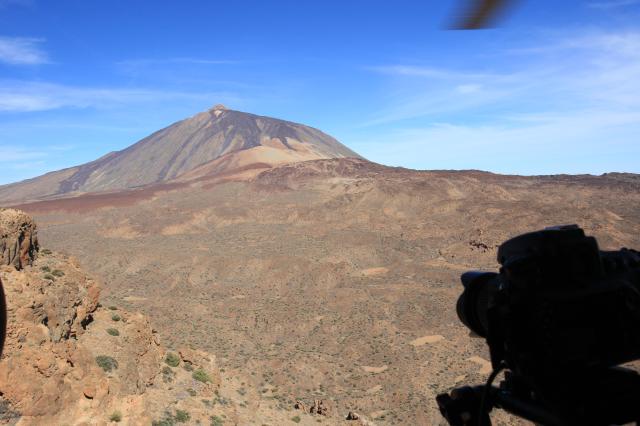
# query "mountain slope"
(194, 143)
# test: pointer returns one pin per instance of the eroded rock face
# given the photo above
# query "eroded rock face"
(45, 366)
(67, 359)
(48, 368)
(18, 238)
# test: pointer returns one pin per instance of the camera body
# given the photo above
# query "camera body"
(559, 315)
(558, 303)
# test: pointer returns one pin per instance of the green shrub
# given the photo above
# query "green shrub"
(191, 392)
(45, 251)
(107, 363)
(45, 269)
(49, 277)
(113, 331)
(216, 421)
(57, 273)
(113, 308)
(172, 359)
(167, 421)
(201, 376)
(296, 419)
(116, 416)
(188, 366)
(115, 317)
(182, 416)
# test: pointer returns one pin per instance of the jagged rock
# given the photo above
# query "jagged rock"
(319, 407)
(18, 238)
(44, 369)
(353, 416)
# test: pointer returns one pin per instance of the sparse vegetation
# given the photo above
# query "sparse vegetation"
(216, 421)
(296, 419)
(188, 366)
(115, 317)
(201, 376)
(49, 277)
(182, 416)
(45, 251)
(113, 331)
(116, 416)
(191, 392)
(172, 359)
(113, 308)
(57, 273)
(107, 363)
(45, 269)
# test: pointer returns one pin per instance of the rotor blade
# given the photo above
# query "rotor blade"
(480, 13)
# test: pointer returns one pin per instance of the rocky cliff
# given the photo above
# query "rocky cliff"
(69, 360)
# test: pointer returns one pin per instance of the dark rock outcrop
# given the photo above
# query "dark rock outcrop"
(18, 239)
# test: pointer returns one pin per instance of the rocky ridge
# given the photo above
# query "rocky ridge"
(67, 359)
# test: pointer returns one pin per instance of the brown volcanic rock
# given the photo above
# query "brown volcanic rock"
(18, 238)
(330, 279)
(56, 330)
(44, 369)
(212, 142)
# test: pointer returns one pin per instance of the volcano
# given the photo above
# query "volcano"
(214, 142)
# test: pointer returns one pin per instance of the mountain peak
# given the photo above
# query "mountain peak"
(192, 148)
(217, 109)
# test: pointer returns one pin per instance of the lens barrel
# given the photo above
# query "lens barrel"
(473, 303)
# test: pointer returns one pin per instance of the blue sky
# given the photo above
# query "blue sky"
(553, 89)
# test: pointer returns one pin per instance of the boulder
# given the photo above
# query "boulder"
(18, 238)
(353, 416)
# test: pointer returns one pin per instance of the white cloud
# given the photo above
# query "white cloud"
(26, 96)
(565, 74)
(139, 66)
(11, 154)
(568, 96)
(29, 165)
(547, 144)
(180, 60)
(426, 71)
(468, 88)
(612, 4)
(22, 51)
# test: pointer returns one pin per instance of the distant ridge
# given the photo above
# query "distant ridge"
(211, 142)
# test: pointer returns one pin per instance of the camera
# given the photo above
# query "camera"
(559, 317)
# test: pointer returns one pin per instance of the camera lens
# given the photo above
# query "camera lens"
(473, 303)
